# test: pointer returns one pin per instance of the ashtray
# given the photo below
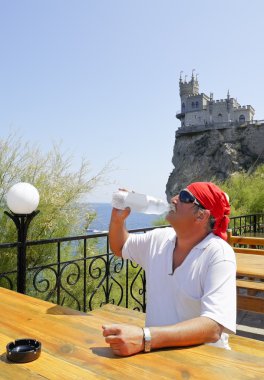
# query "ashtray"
(23, 350)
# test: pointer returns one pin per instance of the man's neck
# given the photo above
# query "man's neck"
(190, 240)
(183, 245)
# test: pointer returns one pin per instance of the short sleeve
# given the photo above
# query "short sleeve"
(141, 247)
(219, 298)
(137, 248)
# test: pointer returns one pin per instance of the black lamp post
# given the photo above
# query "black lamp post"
(22, 200)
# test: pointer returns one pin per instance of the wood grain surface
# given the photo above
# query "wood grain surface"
(73, 347)
(250, 265)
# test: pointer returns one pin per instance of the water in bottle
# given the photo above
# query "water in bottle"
(139, 202)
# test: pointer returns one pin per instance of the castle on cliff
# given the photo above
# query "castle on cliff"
(217, 138)
(201, 110)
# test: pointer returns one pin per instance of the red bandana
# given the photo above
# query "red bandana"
(214, 200)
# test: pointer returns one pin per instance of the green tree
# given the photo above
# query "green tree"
(59, 186)
(61, 189)
(160, 222)
(246, 192)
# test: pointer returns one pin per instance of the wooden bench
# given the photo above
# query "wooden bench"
(250, 246)
(255, 245)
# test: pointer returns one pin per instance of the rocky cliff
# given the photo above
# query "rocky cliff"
(213, 153)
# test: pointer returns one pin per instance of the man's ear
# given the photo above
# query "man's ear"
(203, 215)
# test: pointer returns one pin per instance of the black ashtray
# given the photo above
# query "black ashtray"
(23, 350)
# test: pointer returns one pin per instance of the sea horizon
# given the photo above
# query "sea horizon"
(103, 214)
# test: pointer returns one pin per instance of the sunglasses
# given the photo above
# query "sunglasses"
(186, 197)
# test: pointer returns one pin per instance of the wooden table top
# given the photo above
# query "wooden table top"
(73, 347)
(250, 265)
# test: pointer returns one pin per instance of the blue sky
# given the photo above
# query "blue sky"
(102, 76)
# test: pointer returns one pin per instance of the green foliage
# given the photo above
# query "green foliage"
(160, 222)
(246, 192)
(61, 214)
(59, 187)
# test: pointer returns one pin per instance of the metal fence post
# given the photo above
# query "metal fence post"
(255, 224)
(22, 223)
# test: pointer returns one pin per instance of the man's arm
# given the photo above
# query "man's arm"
(127, 340)
(118, 234)
(187, 333)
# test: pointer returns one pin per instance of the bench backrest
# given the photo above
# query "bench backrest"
(246, 244)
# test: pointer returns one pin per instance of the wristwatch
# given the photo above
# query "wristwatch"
(147, 339)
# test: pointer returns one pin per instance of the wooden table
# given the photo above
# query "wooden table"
(73, 347)
(250, 265)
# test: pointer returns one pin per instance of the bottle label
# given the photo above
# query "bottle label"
(137, 202)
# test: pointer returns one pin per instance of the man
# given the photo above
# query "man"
(190, 274)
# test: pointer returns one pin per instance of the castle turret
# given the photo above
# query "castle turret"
(187, 89)
(228, 106)
(210, 107)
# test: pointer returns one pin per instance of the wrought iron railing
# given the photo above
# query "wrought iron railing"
(247, 224)
(79, 272)
(82, 273)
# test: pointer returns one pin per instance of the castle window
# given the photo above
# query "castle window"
(183, 107)
(242, 119)
(193, 105)
(197, 104)
(219, 118)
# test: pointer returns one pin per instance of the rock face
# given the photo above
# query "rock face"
(214, 154)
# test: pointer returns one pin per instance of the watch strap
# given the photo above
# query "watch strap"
(147, 339)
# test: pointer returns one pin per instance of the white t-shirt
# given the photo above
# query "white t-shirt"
(203, 285)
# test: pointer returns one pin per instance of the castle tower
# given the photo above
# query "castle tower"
(211, 106)
(228, 106)
(188, 88)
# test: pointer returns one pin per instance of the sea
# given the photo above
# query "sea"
(103, 213)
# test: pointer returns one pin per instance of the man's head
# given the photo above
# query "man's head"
(202, 206)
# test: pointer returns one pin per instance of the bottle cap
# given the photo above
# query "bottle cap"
(118, 199)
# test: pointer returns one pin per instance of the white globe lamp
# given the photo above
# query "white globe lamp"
(22, 198)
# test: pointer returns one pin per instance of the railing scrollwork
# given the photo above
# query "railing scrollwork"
(90, 277)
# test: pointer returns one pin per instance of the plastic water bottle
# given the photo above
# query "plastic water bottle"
(139, 202)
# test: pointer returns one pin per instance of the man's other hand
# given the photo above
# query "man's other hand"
(125, 340)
